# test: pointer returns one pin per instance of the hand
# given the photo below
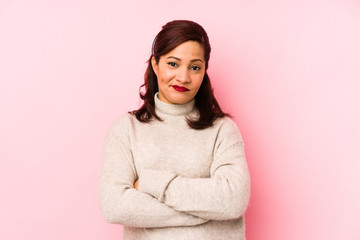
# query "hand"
(136, 184)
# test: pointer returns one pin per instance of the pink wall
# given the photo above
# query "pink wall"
(287, 70)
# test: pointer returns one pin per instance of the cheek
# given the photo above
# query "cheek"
(199, 80)
(166, 76)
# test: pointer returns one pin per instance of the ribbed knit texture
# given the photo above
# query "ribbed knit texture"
(193, 184)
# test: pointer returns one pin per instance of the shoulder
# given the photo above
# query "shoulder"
(121, 123)
(226, 123)
(227, 127)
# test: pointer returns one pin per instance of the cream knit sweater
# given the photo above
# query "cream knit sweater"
(193, 184)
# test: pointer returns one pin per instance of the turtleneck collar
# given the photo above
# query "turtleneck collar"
(173, 109)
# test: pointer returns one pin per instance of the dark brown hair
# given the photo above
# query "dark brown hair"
(172, 35)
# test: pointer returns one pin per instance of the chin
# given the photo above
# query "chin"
(177, 98)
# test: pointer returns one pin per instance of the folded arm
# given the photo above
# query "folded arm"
(225, 195)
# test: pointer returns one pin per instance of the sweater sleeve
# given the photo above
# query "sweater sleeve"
(120, 202)
(222, 196)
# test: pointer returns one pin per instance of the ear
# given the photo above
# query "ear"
(154, 65)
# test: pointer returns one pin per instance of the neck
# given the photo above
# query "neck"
(173, 109)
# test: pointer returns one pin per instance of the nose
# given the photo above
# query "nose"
(183, 75)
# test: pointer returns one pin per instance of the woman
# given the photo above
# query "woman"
(175, 168)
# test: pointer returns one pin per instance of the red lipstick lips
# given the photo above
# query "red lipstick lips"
(180, 89)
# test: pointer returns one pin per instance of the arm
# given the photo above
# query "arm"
(120, 202)
(223, 196)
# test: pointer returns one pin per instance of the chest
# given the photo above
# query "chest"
(186, 151)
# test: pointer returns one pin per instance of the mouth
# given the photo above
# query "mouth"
(180, 88)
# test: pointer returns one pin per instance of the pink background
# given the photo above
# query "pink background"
(289, 71)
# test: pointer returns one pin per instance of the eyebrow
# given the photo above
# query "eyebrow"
(194, 60)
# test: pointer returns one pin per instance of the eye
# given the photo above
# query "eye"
(195, 68)
(172, 64)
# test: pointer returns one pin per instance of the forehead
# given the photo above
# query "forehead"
(187, 51)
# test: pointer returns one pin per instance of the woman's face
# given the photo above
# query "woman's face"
(180, 73)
